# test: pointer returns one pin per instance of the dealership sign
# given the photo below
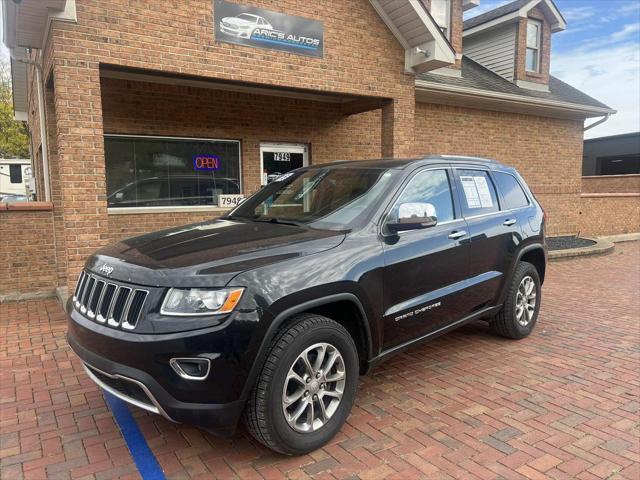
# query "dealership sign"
(258, 27)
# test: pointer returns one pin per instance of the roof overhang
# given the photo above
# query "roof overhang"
(430, 92)
(556, 20)
(426, 47)
(469, 4)
(26, 22)
(26, 25)
(19, 86)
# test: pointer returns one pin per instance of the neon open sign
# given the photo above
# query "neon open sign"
(206, 162)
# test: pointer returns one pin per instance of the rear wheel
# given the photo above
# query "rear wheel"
(520, 311)
(306, 388)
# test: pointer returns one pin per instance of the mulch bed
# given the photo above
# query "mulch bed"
(568, 241)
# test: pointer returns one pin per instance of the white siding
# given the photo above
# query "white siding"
(495, 50)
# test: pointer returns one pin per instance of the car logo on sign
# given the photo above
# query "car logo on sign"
(106, 269)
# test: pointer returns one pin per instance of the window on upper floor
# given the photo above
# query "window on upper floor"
(534, 40)
(441, 13)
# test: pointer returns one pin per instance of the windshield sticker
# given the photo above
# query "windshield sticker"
(476, 191)
(483, 192)
(470, 192)
(283, 177)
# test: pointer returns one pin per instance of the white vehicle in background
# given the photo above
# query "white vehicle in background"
(243, 25)
(14, 177)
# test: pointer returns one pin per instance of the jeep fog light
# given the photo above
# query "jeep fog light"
(199, 301)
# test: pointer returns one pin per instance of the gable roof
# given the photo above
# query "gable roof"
(495, 13)
(517, 8)
(476, 78)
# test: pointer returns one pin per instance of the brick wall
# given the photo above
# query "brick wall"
(27, 253)
(611, 184)
(609, 213)
(361, 57)
(131, 107)
(546, 151)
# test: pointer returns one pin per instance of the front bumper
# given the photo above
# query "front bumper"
(136, 367)
(140, 389)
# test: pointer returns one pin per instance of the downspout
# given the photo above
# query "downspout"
(43, 126)
(599, 122)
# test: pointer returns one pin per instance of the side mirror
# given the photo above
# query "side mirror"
(414, 216)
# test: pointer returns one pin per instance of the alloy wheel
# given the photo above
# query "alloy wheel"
(526, 300)
(313, 387)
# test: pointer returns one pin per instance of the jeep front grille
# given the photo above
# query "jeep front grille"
(117, 305)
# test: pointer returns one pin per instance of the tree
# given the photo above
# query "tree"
(14, 139)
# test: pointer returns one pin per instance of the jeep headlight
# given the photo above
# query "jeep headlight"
(200, 301)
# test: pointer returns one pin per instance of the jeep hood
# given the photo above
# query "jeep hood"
(208, 253)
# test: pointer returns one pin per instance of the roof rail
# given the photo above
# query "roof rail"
(465, 158)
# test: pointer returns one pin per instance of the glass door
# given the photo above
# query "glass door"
(279, 158)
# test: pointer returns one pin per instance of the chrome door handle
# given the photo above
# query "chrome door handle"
(458, 234)
(509, 222)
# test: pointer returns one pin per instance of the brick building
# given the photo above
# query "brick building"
(143, 112)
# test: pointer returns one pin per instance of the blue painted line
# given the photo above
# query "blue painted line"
(143, 457)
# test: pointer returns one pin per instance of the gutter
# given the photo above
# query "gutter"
(599, 122)
(43, 126)
(423, 85)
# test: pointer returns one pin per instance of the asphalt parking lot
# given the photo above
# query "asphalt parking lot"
(562, 404)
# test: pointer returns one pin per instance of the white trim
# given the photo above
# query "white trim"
(302, 148)
(20, 116)
(556, 26)
(389, 23)
(177, 208)
(469, 4)
(540, 87)
(493, 23)
(537, 48)
(508, 97)
(434, 53)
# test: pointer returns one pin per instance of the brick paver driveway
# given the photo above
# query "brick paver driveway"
(563, 403)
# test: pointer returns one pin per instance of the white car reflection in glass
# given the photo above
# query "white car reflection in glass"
(243, 25)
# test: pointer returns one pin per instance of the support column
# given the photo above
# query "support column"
(80, 145)
(56, 187)
(398, 126)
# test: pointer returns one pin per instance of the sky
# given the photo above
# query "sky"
(598, 53)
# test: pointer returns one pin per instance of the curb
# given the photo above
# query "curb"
(601, 247)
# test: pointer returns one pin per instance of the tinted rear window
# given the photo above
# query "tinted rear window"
(512, 192)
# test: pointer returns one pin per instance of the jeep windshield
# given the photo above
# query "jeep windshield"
(334, 198)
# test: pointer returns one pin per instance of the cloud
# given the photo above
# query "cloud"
(577, 14)
(627, 31)
(611, 74)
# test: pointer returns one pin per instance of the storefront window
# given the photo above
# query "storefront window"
(162, 172)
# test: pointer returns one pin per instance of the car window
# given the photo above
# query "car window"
(428, 186)
(512, 192)
(478, 193)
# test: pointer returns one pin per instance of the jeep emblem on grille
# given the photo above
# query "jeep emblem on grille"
(106, 269)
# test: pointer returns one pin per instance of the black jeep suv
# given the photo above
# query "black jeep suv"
(273, 311)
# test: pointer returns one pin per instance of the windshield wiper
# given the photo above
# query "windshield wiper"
(280, 221)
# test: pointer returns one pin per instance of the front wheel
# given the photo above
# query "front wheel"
(306, 388)
(522, 305)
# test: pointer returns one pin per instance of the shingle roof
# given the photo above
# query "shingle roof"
(476, 76)
(495, 13)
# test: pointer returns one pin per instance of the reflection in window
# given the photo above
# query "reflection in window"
(430, 186)
(153, 172)
(532, 58)
(514, 196)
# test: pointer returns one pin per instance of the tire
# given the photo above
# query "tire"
(265, 411)
(507, 323)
